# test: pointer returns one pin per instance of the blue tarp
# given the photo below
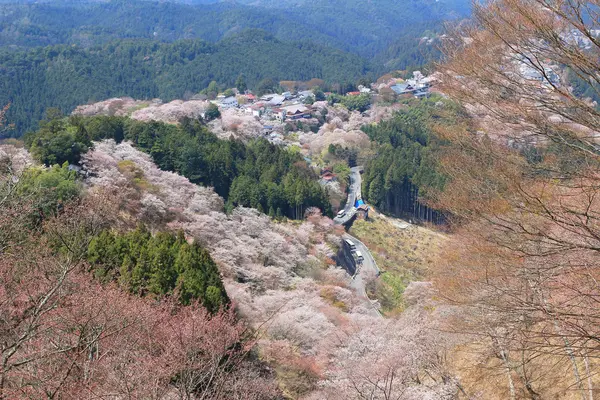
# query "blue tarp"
(359, 203)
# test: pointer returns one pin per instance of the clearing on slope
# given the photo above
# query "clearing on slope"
(403, 252)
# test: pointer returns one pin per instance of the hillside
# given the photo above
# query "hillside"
(187, 250)
(368, 25)
(66, 76)
(281, 276)
(361, 27)
(88, 24)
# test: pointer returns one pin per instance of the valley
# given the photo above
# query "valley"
(303, 200)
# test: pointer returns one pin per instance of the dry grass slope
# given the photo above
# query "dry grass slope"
(403, 252)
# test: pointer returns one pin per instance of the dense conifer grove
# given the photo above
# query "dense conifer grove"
(404, 168)
(158, 264)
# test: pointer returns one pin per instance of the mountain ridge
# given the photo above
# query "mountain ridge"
(362, 28)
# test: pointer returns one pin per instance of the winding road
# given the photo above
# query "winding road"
(368, 267)
(353, 195)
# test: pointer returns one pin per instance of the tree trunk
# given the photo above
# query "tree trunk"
(511, 384)
(589, 378)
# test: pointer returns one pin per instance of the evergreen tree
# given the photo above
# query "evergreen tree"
(240, 84)
(163, 264)
(212, 90)
(399, 176)
(212, 112)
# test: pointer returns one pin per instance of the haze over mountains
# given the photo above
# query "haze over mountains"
(361, 27)
(337, 41)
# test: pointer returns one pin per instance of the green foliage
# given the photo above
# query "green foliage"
(405, 165)
(333, 99)
(357, 103)
(342, 171)
(212, 90)
(348, 154)
(49, 189)
(98, 128)
(267, 85)
(160, 264)
(57, 142)
(212, 112)
(240, 84)
(353, 103)
(319, 95)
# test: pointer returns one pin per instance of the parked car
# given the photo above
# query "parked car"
(341, 213)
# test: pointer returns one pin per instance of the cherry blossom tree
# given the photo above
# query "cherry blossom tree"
(172, 112)
(280, 282)
(395, 359)
(64, 335)
(236, 123)
(120, 107)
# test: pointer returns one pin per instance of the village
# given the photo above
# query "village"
(305, 110)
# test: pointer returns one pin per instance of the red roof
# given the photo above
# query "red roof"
(250, 96)
(353, 94)
(328, 176)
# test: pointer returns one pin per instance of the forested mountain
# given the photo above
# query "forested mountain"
(369, 25)
(89, 24)
(357, 26)
(66, 76)
(413, 49)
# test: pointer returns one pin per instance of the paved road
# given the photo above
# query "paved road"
(368, 267)
(353, 194)
(366, 270)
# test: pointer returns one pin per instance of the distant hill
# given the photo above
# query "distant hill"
(90, 24)
(362, 27)
(65, 76)
(413, 49)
